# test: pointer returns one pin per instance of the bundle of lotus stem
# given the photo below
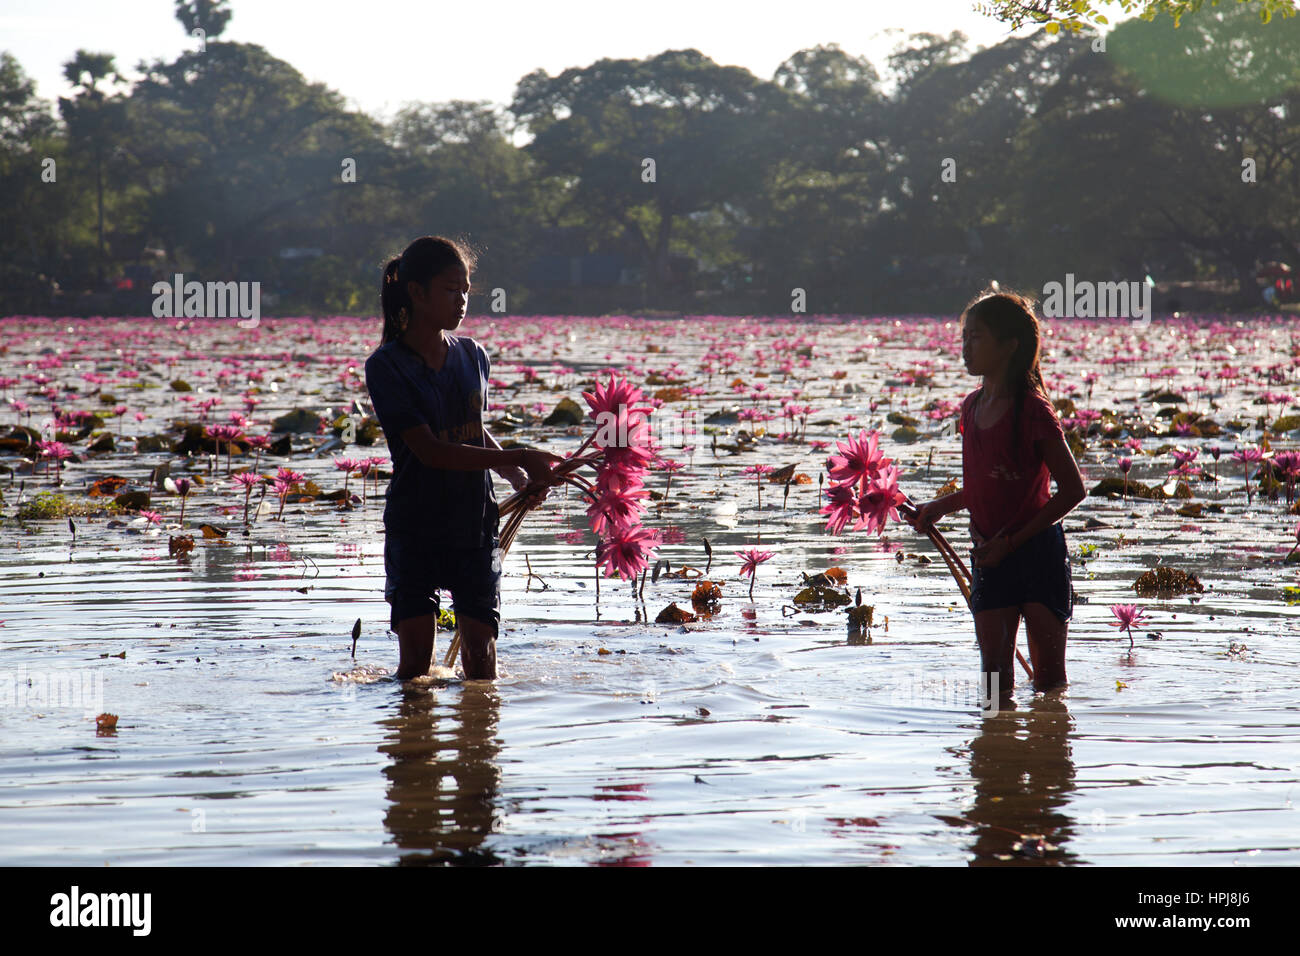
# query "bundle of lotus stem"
(514, 511)
(957, 567)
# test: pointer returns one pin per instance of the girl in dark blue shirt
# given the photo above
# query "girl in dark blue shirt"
(429, 389)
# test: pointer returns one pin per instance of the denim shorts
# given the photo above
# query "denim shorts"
(417, 567)
(1038, 571)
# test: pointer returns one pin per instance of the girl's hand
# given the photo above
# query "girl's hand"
(924, 517)
(537, 465)
(519, 481)
(989, 554)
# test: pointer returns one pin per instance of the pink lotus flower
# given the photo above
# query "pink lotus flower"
(151, 517)
(619, 507)
(842, 506)
(289, 476)
(1127, 617)
(752, 559)
(878, 505)
(627, 551)
(56, 451)
(1247, 456)
(246, 480)
(859, 459)
(758, 471)
(619, 396)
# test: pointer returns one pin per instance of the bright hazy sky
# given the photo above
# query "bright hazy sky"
(383, 54)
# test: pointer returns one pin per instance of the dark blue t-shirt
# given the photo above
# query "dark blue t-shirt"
(457, 508)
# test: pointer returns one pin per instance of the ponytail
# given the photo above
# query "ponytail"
(421, 261)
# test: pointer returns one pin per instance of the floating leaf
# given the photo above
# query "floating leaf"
(106, 722)
(860, 616)
(706, 598)
(179, 545)
(212, 531)
(824, 597)
(1165, 581)
(672, 614)
(565, 412)
(298, 420)
(107, 485)
(132, 500)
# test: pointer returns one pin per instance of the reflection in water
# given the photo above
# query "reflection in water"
(1023, 777)
(443, 778)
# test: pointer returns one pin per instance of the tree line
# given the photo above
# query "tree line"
(672, 183)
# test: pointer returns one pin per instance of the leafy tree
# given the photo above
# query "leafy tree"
(1076, 15)
(242, 156)
(1155, 134)
(41, 217)
(705, 126)
(210, 16)
(96, 122)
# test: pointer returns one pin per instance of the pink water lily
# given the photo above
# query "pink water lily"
(247, 480)
(627, 550)
(864, 486)
(859, 459)
(758, 471)
(618, 507)
(878, 505)
(1127, 617)
(752, 559)
(842, 506)
(1249, 455)
(618, 395)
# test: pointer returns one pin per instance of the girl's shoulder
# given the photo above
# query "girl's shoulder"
(473, 350)
(383, 354)
(465, 342)
(1038, 402)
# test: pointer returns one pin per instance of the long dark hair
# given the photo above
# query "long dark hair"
(1010, 315)
(424, 259)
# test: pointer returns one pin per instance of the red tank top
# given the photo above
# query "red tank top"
(1004, 487)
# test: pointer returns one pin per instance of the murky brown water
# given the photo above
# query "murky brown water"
(248, 734)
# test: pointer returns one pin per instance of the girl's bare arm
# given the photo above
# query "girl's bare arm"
(454, 456)
(1069, 489)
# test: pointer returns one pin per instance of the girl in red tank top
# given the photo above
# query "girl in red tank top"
(1013, 447)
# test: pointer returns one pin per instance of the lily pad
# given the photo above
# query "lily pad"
(672, 614)
(1166, 581)
(298, 420)
(565, 412)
